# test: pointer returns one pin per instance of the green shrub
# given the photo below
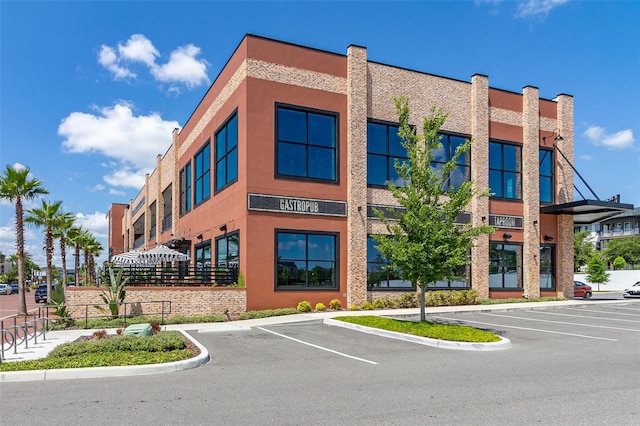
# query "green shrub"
(451, 297)
(161, 342)
(267, 313)
(335, 305)
(619, 263)
(304, 306)
(367, 306)
(320, 307)
(378, 304)
(408, 300)
(388, 302)
(354, 307)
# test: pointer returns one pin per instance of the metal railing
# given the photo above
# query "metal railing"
(17, 331)
(180, 276)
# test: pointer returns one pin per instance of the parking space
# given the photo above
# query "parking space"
(561, 327)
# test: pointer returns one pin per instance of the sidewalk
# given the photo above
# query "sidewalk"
(57, 337)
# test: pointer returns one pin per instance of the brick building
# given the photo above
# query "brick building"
(280, 165)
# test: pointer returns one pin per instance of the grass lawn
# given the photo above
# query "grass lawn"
(451, 332)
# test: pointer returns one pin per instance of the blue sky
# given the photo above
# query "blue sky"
(90, 91)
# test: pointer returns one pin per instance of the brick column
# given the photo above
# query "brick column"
(564, 194)
(480, 178)
(531, 191)
(356, 175)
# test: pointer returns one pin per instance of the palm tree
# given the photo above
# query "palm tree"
(91, 248)
(16, 186)
(63, 225)
(46, 216)
(73, 238)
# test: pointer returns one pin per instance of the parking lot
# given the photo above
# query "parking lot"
(567, 365)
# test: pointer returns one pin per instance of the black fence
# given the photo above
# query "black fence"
(180, 276)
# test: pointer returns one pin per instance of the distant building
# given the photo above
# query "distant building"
(281, 164)
(625, 224)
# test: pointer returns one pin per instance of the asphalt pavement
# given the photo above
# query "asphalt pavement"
(45, 344)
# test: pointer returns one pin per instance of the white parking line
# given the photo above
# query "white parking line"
(582, 316)
(318, 347)
(529, 329)
(602, 311)
(562, 322)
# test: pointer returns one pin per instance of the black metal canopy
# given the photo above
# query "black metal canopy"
(586, 212)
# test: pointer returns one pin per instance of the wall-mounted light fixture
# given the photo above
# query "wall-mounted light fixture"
(199, 236)
(223, 228)
(535, 222)
(506, 236)
(483, 218)
(548, 238)
(557, 138)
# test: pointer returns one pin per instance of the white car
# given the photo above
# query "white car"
(5, 289)
(633, 291)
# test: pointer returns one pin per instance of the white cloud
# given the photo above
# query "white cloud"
(537, 7)
(139, 49)
(126, 177)
(586, 157)
(132, 141)
(96, 223)
(97, 188)
(113, 191)
(108, 59)
(183, 66)
(619, 140)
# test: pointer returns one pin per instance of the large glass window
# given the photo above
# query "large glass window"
(306, 261)
(505, 266)
(505, 168)
(444, 154)
(202, 174)
(379, 275)
(226, 140)
(546, 175)
(384, 147)
(202, 252)
(185, 189)
(547, 268)
(306, 144)
(228, 251)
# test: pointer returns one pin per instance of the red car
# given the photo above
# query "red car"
(580, 289)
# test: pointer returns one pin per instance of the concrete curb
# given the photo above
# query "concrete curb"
(504, 343)
(96, 372)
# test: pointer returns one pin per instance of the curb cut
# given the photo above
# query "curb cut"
(504, 343)
(119, 371)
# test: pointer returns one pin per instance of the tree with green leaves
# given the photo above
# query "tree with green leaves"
(619, 263)
(626, 247)
(17, 186)
(583, 248)
(423, 241)
(74, 236)
(597, 272)
(91, 248)
(46, 217)
(62, 226)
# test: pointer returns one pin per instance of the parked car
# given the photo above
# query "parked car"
(41, 293)
(14, 288)
(581, 289)
(5, 289)
(633, 291)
